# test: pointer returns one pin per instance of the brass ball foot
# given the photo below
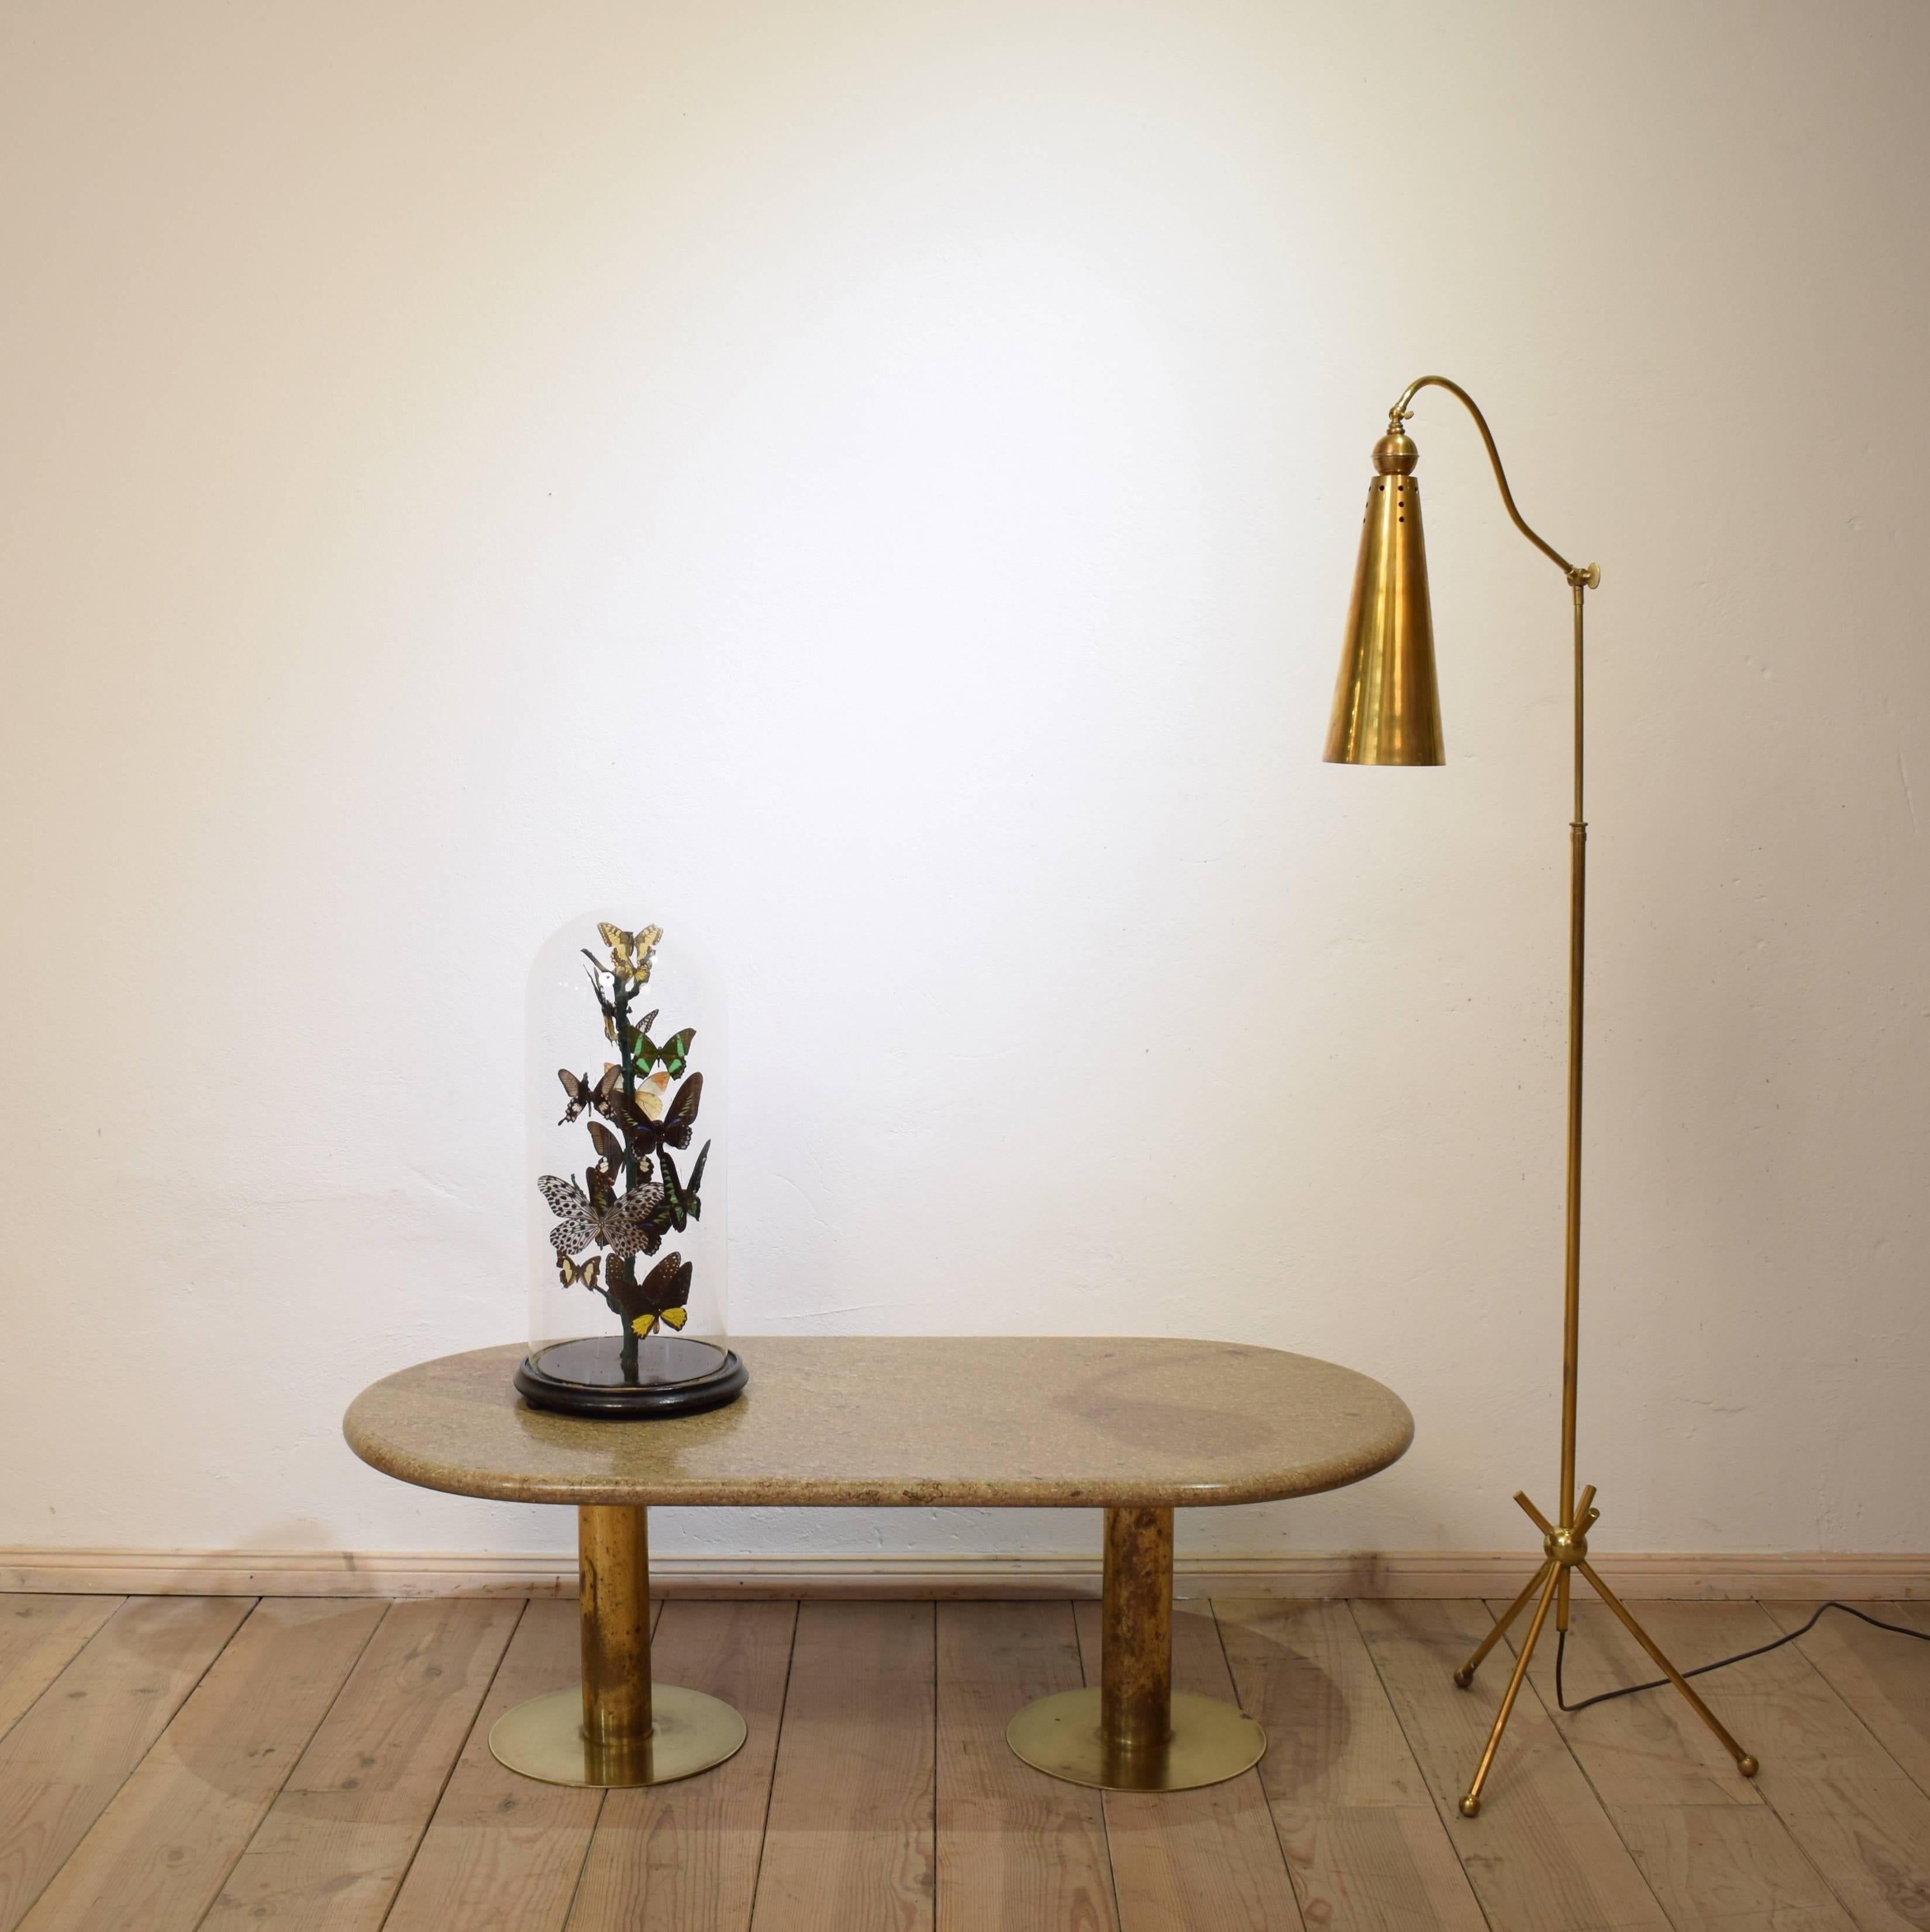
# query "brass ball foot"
(1463, 1677)
(1748, 1766)
(1470, 1806)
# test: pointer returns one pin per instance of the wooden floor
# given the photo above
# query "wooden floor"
(171, 1763)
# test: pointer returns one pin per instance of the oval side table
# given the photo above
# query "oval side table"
(1138, 1428)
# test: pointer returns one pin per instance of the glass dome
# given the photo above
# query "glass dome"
(626, 1173)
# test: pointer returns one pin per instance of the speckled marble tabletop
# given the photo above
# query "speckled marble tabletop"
(1044, 1422)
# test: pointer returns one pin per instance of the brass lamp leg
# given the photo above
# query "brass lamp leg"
(1471, 1804)
(1135, 1733)
(1464, 1676)
(617, 1728)
(1745, 1763)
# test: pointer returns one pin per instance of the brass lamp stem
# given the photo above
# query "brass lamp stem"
(1577, 922)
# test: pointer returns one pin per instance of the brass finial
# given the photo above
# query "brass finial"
(1395, 455)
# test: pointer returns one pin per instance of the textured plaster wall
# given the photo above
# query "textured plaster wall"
(877, 480)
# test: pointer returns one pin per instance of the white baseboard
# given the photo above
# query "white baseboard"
(338, 1572)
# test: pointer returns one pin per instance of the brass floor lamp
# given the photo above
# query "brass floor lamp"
(1387, 712)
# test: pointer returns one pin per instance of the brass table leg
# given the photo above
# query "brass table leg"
(1135, 1733)
(617, 1728)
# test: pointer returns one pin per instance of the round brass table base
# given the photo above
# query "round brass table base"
(1211, 1742)
(689, 1733)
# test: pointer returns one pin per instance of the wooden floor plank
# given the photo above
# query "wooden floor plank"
(1856, 1814)
(39, 1637)
(156, 1857)
(1543, 1856)
(63, 1760)
(503, 1852)
(684, 1857)
(850, 1844)
(1728, 1868)
(1883, 1677)
(1203, 1861)
(1366, 1849)
(1015, 1847)
(332, 1850)
(1870, 1840)
(1666, 1782)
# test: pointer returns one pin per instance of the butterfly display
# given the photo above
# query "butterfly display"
(665, 1292)
(681, 1203)
(641, 1106)
(623, 1225)
(586, 1272)
(630, 952)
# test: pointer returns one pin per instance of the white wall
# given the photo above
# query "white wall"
(878, 480)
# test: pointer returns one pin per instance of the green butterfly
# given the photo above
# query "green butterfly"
(644, 1053)
(680, 1203)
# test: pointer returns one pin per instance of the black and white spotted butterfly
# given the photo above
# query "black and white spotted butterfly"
(600, 1217)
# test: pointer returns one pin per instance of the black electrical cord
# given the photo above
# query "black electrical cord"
(1721, 1663)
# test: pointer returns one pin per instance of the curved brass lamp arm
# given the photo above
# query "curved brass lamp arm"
(1585, 574)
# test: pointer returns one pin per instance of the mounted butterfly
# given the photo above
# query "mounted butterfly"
(627, 1216)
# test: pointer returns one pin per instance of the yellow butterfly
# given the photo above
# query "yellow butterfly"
(671, 1318)
(665, 1292)
(630, 952)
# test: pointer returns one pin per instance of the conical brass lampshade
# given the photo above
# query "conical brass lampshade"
(1387, 710)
